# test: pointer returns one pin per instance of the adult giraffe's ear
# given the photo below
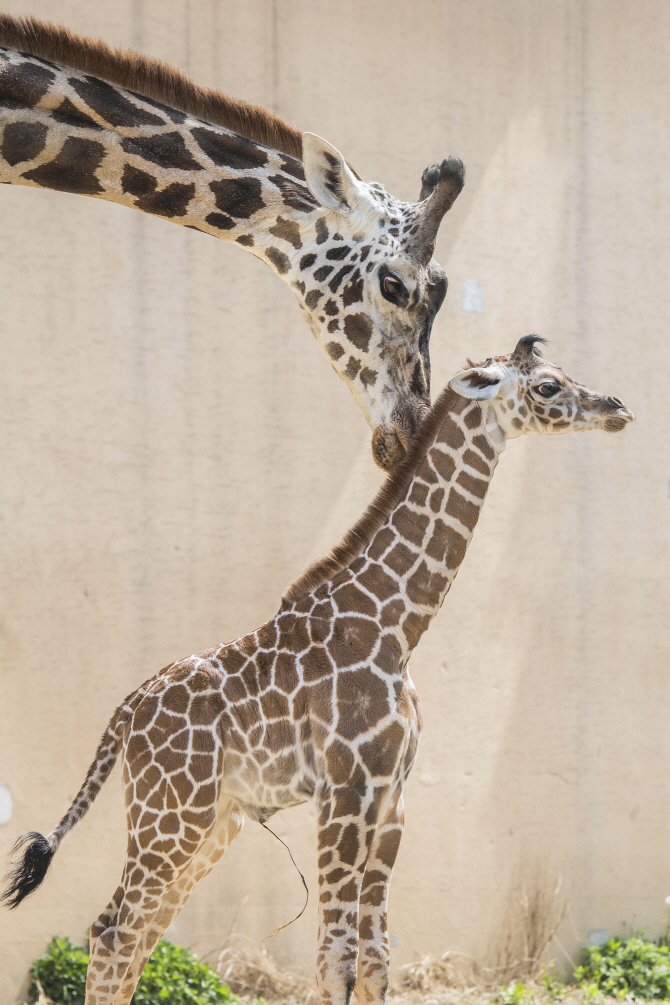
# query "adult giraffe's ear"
(330, 179)
(479, 382)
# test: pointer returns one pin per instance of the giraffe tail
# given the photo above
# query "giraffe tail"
(36, 851)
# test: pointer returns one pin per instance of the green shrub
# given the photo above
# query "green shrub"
(515, 993)
(627, 967)
(61, 972)
(173, 976)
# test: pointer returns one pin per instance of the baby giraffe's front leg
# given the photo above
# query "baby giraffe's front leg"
(344, 836)
(373, 948)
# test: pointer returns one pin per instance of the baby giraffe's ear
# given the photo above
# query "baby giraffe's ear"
(479, 382)
(330, 179)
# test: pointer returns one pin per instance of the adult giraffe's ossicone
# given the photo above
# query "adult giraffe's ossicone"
(315, 704)
(77, 116)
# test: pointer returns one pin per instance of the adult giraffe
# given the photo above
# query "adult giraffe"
(77, 116)
(317, 703)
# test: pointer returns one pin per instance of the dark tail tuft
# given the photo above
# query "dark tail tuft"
(30, 870)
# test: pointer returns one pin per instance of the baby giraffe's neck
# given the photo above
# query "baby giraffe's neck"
(403, 572)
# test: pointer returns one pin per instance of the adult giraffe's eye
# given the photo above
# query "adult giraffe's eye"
(547, 388)
(393, 289)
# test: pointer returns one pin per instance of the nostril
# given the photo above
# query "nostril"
(615, 401)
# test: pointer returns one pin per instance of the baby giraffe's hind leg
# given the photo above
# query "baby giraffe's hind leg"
(116, 935)
(227, 828)
(126, 933)
(108, 916)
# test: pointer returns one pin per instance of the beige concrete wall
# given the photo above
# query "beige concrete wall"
(175, 450)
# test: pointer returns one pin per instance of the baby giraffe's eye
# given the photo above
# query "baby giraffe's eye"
(393, 288)
(547, 388)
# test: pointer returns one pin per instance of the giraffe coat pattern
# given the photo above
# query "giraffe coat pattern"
(358, 260)
(317, 703)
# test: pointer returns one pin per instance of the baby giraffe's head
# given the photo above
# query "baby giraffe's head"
(527, 394)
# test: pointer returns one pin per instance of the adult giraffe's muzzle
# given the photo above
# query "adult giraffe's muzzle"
(387, 447)
(389, 442)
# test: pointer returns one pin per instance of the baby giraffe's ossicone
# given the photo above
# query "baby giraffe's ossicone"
(317, 704)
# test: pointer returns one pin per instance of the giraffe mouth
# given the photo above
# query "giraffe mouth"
(387, 447)
(615, 423)
(392, 439)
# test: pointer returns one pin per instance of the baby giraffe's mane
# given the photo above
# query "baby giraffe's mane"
(375, 516)
(150, 78)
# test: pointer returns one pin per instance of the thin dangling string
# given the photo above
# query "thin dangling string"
(304, 883)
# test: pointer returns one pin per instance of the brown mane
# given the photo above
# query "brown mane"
(381, 507)
(151, 78)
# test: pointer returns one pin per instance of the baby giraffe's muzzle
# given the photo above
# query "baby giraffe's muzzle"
(619, 417)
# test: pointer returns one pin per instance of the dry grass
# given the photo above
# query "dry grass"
(529, 994)
(429, 981)
(430, 973)
(252, 973)
(531, 916)
(42, 999)
(446, 980)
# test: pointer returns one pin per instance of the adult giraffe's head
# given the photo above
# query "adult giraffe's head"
(524, 393)
(78, 116)
(370, 289)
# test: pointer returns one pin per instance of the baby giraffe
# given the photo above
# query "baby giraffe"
(317, 703)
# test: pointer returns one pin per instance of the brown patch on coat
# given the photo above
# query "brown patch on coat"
(72, 169)
(451, 434)
(443, 463)
(352, 641)
(414, 626)
(473, 460)
(424, 588)
(380, 754)
(339, 762)
(349, 598)
(392, 612)
(287, 230)
(400, 559)
(377, 581)
(23, 86)
(358, 329)
(362, 700)
(315, 664)
(281, 262)
(418, 494)
(410, 525)
(462, 509)
(476, 486)
(391, 493)
(22, 141)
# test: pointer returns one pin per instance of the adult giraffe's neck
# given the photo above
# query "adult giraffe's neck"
(413, 558)
(63, 129)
